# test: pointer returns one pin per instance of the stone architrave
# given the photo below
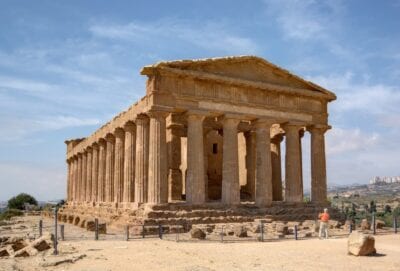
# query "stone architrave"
(318, 164)
(250, 138)
(293, 187)
(101, 179)
(195, 187)
(95, 171)
(230, 160)
(119, 164)
(263, 187)
(276, 167)
(83, 178)
(129, 162)
(158, 173)
(109, 176)
(142, 158)
(89, 174)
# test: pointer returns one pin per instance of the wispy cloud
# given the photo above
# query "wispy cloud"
(208, 35)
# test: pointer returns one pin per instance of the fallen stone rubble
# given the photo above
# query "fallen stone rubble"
(21, 246)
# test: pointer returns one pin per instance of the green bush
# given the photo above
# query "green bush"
(9, 213)
(19, 201)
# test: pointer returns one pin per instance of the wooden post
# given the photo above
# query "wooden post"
(96, 230)
(127, 233)
(40, 228)
(295, 232)
(55, 252)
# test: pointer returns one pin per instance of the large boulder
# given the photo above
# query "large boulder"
(360, 244)
(240, 231)
(365, 224)
(197, 233)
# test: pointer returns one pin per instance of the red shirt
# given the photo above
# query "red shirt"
(324, 217)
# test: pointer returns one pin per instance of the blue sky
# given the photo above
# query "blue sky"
(68, 66)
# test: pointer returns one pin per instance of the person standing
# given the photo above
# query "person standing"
(324, 223)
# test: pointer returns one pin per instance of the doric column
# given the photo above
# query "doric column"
(174, 162)
(250, 138)
(89, 174)
(276, 167)
(129, 162)
(158, 175)
(119, 165)
(76, 178)
(69, 170)
(110, 159)
(95, 172)
(293, 186)
(195, 187)
(318, 164)
(263, 195)
(230, 162)
(142, 158)
(84, 173)
(101, 181)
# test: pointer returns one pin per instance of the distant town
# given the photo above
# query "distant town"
(384, 180)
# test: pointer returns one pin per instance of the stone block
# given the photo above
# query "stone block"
(197, 233)
(4, 252)
(360, 244)
(240, 231)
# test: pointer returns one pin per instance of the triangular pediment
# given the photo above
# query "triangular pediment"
(249, 68)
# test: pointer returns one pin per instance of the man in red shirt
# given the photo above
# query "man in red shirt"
(324, 223)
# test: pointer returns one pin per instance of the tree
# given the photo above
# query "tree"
(18, 202)
(372, 207)
(388, 209)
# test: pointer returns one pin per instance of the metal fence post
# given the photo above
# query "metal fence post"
(143, 233)
(395, 224)
(351, 228)
(40, 228)
(222, 234)
(262, 231)
(55, 252)
(295, 232)
(62, 232)
(127, 232)
(96, 229)
(373, 223)
(160, 231)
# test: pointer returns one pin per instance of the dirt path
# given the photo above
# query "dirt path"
(155, 254)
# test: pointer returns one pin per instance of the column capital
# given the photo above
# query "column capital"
(193, 115)
(292, 126)
(95, 146)
(88, 149)
(142, 118)
(263, 123)
(102, 142)
(130, 126)
(110, 138)
(158, 114)
(230, 120)
(119, 133)
(318, 128)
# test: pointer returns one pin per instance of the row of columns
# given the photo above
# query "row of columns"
(131, 165)
(128, 165)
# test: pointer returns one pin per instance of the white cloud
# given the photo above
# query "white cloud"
(44, 182)
(19, 128)
(343, 141)
(377, 99)
(209, 35)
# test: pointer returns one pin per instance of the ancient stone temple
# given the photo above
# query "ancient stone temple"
(207, 134)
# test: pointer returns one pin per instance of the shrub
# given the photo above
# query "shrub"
(19, 201)
(7, 214)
